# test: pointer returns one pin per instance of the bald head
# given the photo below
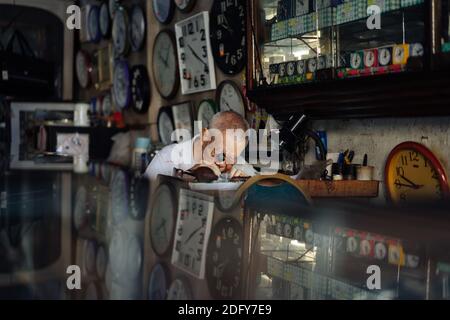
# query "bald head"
(228, 120)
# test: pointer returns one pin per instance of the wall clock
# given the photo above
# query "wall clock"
(140, 89)
(165, 68)
(180, 289)
(228, 35)
(229, 98)
(223, 264)
(224, 200)
(182, 119)
(101, 262)
(416, 49)
(79, 211)
(301, 68)
(94, 24)
(414, 174)
(206, 111)
(119, 196)
(400, 54)
(357, 60)
(162, 220)
(185, 6)
(370, 58)
(163, 10)
(165, 125)
(195, 59)
(158, 282)
(137, 28)
(120, 32)
(122, 84)
(195, 214)
(105, 20)
(385, 56)
(282, 70)
(83, 68)
(311, 65)
(139, 195)
(290, 68)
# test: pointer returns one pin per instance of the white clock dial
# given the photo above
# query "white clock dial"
(165, 127)
(79, 212)
(229, 98)
(162, 220)
(165, 68)
(309, 236)
(355, 60)
(380, 251)
(412, 261)
(282, 70)
(322, 62)
(384, 56)
(352, 244)
(312, 65)
(301, 67)
(290, 69)
(369, 59)
(365, 248)
(206, 111)
(137, 28)
(416, 50)
(83, 69)
(105, 20)
(298, 233)
(196, 63)
(120, 32)
(279, 229)
(179, 290)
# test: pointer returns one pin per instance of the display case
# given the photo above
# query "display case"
(339, 58)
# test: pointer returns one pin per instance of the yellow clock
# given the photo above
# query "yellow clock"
(414, 174)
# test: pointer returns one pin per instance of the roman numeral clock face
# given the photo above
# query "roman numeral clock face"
(228, 35)
(196, 63)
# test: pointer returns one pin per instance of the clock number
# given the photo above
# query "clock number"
(178, 246)
(196, 82)
(183, 56)
(203, 38)
(414, 156)
(202, 238)
(191, 28)
(400, 171)
(187, 260)
(199, 254)
(204, 222)
(203, 80)
(181, 42)
(404, 160)
(205, 52)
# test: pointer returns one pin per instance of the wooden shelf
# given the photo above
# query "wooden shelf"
(340, 189)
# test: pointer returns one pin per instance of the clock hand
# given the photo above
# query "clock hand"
(163, 223)
(197, 56)
(416, 186)
(407, 185)
(228, 105)
(163, 60)
(193, 234)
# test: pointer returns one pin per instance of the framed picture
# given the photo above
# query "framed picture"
(183, 119)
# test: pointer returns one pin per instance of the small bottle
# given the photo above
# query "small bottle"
(140, 153)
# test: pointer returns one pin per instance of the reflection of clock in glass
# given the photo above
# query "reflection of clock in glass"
(279, 229)
(290, 68)
(185, 5)
(196, 63)
(365, 248)
(412, 261)
(414, 174)
(416, 49)
(79, 212)
(105, 20)
(206, 111)
(179, 290)
(165, 68)
(137, 28)
(94, 24)
(120, 32)
(356, 60)
(228, 35)
(83, 69)
(229, 98)
(224, 200)
(385, 56)
(163, 10)
(162, 219)
(121, 84)
(140, 89)
(309, 236)
(312, 65)
(165, 125)
(224, 260)
(301, 67)
(282, 70)
(119, 196)
(370, 58)
(158, 282)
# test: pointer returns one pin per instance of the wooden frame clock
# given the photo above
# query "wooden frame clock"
(414, 174)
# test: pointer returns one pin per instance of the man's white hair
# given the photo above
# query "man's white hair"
(228, 120)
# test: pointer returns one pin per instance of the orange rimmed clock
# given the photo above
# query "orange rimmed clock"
(414, 174)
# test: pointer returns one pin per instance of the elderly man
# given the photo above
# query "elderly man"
(220, 147)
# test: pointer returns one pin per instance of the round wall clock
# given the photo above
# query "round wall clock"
(139, 195)
(79, 212)
(185, 6)
(206, 111)
(105, 20)
(165, 126)
(120, 32)
(119, 196)
(385, 56)
(94, 24)
(165, 65)
(140, 89)
(157, 284)
(163, 10)
(229, 98)
(414, 174)
(101, 262)
(83, 68)
(180, 290)
(137, 29)
(223, 262)
(228, 35)
(162, 220)
(122, 84)
(112, 7)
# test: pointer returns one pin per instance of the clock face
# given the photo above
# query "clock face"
(229, 98)
(79, 212)
(352, 244)
(400, 54)
(413, 174)
(356, 60)
(165, 68)
(179, 290)
(380, 251)
(83, 69)
(370, 58)
(225, 200)
(119, 196)
(105, 20)
(194, 54)
(290, 69)
(137, 37)
(312, 65)
(162, 220)
(94, 24)
(120, 32)
(287, 230)
(228, 35)
(139, 194)
(140, 89)
(282, 70)
(365, 248)
(384, 56)
(298, 233)
(195, 213)
(121, 84)
(224, 260)
(185, 5)
(416, 50)
(163, 10)
(301, 67)
(101, 262)
(206, 111)
(165, 126)
(157, 285)
(107, 105)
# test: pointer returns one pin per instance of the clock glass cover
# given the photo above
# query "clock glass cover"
(165, 126)
(165, 68)
(137, 28)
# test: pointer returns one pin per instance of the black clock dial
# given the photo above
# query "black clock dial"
(228, 35)
(140, 89)
(224, 260)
